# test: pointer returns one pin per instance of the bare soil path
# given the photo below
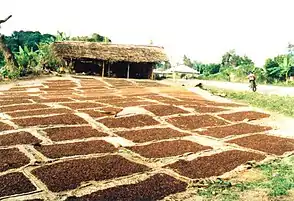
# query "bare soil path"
(264, 89)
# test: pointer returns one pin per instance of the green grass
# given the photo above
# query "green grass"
(280, 176)
(284, 84)
(280, 104)
(221, 190)
(279, 179)
(238, 79)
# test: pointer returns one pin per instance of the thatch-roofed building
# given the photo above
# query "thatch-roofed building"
(111, 60)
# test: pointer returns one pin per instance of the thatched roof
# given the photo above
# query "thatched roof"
(109, 52)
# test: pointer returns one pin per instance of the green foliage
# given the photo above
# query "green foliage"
(219, 77)
(48, 59)
(2, 60)
(279, 68)
(270, 65)
(28, 60)
(236, 66)
(233, 67)
(187, 61)
(275, 103)
(231, 59)
(33, 51)
(11, 75)
(211, 69)
(163, 65)
(94, 38)
(280, 177)
(220, 189)
(277, 181)
(166, 65)
(61, 36)
(31, 39)
(234, 74)
(206, 69)
(261, 76)
(198, 66)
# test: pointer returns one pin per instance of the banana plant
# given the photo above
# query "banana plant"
(286, 66)
(47, 57)
(283, 68)
(28, 60)
(61, 36)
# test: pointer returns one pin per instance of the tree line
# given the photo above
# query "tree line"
(234, 67)
(32, 52)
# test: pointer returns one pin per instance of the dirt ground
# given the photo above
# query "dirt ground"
(87, 138)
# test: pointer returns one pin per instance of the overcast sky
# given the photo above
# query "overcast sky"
(201, 29)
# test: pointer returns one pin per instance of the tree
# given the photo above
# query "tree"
(2, 60)
(28, 61)
(31, 39)
(227, 58)
(93, 38)
(279, 67)
(231, 59)
(286, 66)
(187, 61)
(246, 60)
(167, 65)
(61, 36)
(291, 53)
(269, 66)
(11, 64)
(211, 69)
(291, 49)
(198, 66)
(48, 60)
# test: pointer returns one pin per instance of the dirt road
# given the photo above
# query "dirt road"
(265, 89)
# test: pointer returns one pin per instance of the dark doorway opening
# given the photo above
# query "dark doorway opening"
(115, 69)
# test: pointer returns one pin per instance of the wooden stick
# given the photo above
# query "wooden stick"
(103, 69)
(128, 73)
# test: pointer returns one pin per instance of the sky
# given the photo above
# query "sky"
(201, 29)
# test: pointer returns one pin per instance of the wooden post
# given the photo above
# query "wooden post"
(103, 65)
(152, 73)
(108, 71)
(128, 72)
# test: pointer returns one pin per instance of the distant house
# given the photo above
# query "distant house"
(183, 69)
(111, 60)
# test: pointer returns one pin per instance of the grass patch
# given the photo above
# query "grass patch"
(279, 179)
(220, 190)
(280, 176)
(275, 103)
